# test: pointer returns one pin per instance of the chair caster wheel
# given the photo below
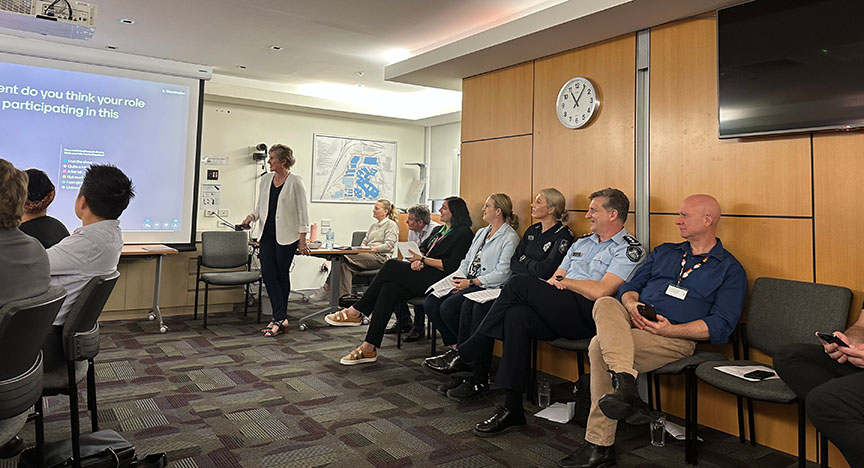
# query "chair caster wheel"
(163, 329)
(303, 327)
(151, 317)
(304, 299)
(365, 320)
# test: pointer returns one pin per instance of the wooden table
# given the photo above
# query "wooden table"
(156, 251)
(335, 256)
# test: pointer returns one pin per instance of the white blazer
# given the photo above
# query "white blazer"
(292, 211)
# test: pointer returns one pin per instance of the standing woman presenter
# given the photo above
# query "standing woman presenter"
(282, 213)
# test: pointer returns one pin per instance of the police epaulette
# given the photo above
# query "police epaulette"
(587, 234)
(631, 240)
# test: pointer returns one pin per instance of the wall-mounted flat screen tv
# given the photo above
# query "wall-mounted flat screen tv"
(790, 66)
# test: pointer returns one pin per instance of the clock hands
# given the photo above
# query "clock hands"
(580, 95)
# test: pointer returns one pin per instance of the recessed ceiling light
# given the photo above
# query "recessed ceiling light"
(242, 67)
(111, 47)
(360, 85)
(275, 47)
(127, 21)
(359, 73)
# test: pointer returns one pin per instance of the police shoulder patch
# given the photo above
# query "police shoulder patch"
(634, 253)
(632, 240)
(563, 246)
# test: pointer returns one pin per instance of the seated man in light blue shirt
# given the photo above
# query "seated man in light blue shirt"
(94, 248)
(530, 308)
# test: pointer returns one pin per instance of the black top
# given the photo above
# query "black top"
(450, 248)
(269, 231)
(45, 229)
(540, 253)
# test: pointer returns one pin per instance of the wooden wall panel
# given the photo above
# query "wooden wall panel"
(837, 171)
(498, 104)
(491, 166)
(578, 162)
(403, 226)
(762, 176)
(579, 225)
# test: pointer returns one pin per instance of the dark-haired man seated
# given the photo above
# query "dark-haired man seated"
(94, 248)
(697, 289)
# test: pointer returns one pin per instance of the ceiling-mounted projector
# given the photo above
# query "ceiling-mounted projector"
(61, 18)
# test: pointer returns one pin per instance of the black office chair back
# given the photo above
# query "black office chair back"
(23, 327)
(81, 329)
(357, 238)
(224, 249)
(784, 311)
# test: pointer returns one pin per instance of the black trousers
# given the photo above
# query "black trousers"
(395, 283)
(276, 262)
(472, 315)
(833, 395)
(528, 309)
(444, 313)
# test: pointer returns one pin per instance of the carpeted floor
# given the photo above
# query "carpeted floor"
(228, 397)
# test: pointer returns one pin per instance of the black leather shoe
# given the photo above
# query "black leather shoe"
(501, 422)
(392, 330)
(590, 456)
(624, 402)
(12, 448)
(454, 382)
(415, 335)
(469, 389)
(447, 363)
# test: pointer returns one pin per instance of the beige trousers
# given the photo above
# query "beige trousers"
(354, 263)
(618, 347)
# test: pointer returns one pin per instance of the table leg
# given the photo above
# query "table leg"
(155, 312)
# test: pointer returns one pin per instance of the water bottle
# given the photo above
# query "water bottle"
(330, 235)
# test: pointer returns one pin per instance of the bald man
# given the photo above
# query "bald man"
(697, 289)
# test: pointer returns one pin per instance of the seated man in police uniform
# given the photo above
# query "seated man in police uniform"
(545, 309)
(697, 289)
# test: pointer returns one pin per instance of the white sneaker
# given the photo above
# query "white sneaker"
(320, 295)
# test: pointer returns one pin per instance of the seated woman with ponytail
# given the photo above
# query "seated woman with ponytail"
(399, 281)
(486, 266)
(538, 254)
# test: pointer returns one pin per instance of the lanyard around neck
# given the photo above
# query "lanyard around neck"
(684, 274)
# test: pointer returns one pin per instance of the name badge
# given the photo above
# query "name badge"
(676, 291)
(577, 254)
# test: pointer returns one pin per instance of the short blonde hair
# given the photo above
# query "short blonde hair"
(389, 208)
(12, 196)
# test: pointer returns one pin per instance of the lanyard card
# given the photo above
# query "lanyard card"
(676, 291)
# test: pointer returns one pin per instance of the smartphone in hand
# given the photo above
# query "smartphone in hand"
(647, 312)
(831, 338)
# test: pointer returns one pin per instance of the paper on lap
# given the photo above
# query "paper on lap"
(483, 296)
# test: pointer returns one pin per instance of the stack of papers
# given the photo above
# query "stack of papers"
(558, 412)
(405, 249)
(483, 296)
(443, 287)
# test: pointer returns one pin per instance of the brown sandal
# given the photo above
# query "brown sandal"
(358, 356)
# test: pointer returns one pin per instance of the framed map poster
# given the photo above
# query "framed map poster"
(352, 170)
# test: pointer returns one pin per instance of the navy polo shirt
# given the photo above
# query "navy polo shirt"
(715, 291)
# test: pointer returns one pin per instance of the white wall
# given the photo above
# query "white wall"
(443, 161)
(231, 129)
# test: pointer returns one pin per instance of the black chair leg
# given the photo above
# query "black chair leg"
(650, 377)
(398, 331)
(206, 300)
(40, 432)
(823, 450)
(751, 421)
(656, 379)
(91, 395)
(260, 300)
(580, 363)
(434, 339)
(691, 420)
(246, 300)
(740, 403)
(73, 414)
(197, 284)
(532, 380)
(802, 435)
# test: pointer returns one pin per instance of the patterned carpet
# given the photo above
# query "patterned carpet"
(228, 397)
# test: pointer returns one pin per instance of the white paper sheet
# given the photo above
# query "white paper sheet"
(404, 248)
(739, 371)
(558, 412)
(677, 431)
(443, 287)
(483, 296)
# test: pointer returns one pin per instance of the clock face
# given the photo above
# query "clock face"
(577, 102)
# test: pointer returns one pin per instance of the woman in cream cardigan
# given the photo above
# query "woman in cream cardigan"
(283, 221)
(380, 239)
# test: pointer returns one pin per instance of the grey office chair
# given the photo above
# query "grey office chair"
(225, 249)
(781, 312)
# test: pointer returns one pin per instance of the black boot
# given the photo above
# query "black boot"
(501, 422)
(590, 456)
(454, 382)
(12, 448)
(624, 402)
(447, 363)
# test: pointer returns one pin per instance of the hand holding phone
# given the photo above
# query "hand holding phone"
(831, 338)
(647, 312)
(242, 227)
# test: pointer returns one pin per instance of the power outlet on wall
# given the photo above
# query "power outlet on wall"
(224, 213)
(209, 213)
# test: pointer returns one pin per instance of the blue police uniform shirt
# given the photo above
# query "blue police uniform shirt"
(715, 291)
(590, 259)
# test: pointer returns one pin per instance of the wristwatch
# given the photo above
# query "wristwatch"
(423, 259)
